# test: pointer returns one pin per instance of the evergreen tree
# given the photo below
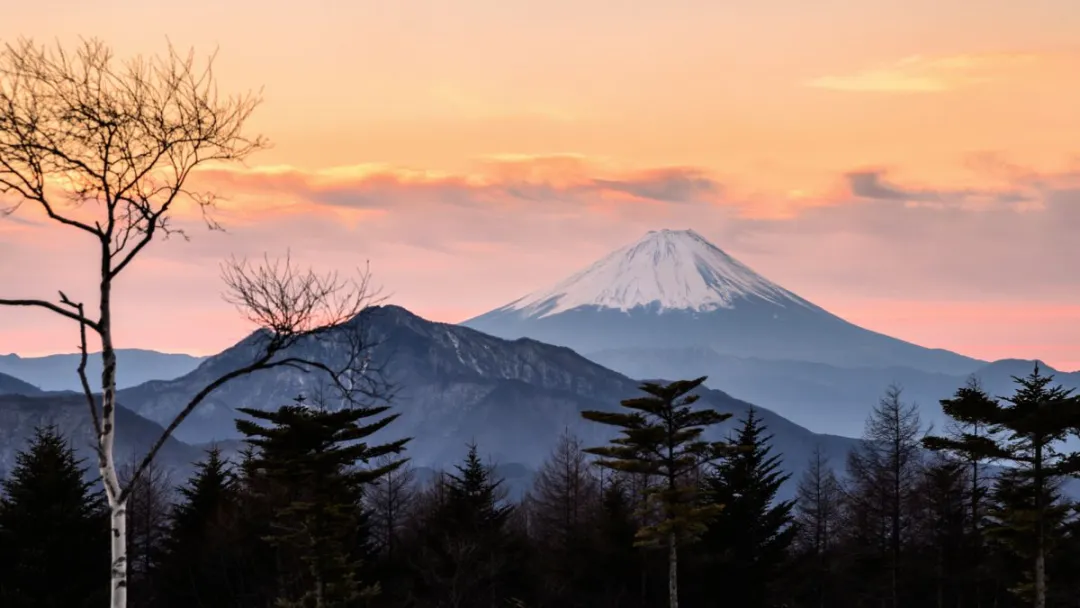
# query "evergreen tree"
(661, 437)
(199, 564)
(617, 557)
(309, 455)
(944, 538)
(964, 442)
(467, 555)
(1027, 431)
(53, 530)
(747, 542)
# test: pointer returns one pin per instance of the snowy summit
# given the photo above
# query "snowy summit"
(666, 269)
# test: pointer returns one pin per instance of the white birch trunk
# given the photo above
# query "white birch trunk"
(118, 583)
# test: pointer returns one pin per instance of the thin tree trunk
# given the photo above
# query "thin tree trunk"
(117, 508)
(673, 572)
(1040, 533)
(118, 516)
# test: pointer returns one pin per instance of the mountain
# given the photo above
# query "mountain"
(10, 385)
(134, 367)
(675, 289)
(454, 385)
(821, 397)
(21, 414)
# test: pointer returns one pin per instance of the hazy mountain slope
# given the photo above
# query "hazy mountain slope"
(674, 289)
(455, 385)
(821, 397)
(134, 366)
(10, 385)
(20, 415)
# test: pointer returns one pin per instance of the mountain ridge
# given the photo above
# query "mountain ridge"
(747, 325)
(456, 385)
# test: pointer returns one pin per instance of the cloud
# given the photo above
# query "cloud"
(452, 245)
(873, 185)
(546, 184)
(919, 74)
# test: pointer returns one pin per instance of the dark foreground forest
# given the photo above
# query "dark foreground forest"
(310, 514)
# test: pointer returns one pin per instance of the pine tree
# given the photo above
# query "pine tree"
(662, 437)
(310, 456)
(467, 555)
(747, 541)
(615, 537)
(1026, 431)
(53, 530)
(969, 432)
(199, 564)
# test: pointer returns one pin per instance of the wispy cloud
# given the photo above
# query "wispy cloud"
(920, 74)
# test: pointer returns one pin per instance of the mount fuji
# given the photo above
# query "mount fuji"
(675, 289)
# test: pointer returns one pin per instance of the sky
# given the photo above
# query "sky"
(910, 165)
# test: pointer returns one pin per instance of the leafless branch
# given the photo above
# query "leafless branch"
(57, 308)
(297, 309)
(79, 129)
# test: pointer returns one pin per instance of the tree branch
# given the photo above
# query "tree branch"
(74, 316)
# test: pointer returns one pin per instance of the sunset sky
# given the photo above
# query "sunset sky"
(910, 165)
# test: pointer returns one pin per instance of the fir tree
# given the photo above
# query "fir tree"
(53, 530)
(747, 541)
(310, 456)
(966, 442)
(467, 554)
(1027, 431)
(199, 563)
(661, 437)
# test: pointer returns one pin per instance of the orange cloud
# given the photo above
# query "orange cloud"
(919, 74)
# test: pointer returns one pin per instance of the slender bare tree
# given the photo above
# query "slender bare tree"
(106, 148)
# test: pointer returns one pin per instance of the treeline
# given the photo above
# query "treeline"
(312, 514)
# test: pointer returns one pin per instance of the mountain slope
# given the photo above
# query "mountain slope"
(20, 415)
(10, 385)
(134, 366)
(674, 289)
(455, 385)
(821, 397)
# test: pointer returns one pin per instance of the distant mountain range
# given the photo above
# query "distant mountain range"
(674, 305)
(674, 289)
(134, 366)
(823, 398)
(456, 385)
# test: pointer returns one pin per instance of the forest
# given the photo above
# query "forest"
(310, 513)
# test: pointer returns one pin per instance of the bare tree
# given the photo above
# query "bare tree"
(817, 512)
(562, 505)
(106, 149)
(884, 471)
(391, 501)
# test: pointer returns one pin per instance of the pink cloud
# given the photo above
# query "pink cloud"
(454, 245)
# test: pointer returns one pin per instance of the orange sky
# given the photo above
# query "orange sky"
(911, 165)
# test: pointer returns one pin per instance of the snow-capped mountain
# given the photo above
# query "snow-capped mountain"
(675, 289)
(667, 269)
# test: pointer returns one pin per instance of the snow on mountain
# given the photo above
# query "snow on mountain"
(674, 289)
(672, 269)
